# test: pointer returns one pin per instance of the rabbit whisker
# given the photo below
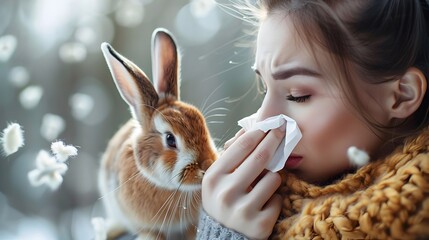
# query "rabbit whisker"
(216, 115)
(237, 13)
(216, 122)
(216, 109)
(154, 108)
(157, 216)
(172, 207)
(203, 107)
(219, 142)
(238, 99)
(202, 57)
(228, 69)
(120, 185)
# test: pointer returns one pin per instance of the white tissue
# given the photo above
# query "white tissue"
(292, 136)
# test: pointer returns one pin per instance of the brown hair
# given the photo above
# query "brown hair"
(373, 40)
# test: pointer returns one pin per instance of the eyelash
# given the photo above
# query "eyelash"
(300, 99)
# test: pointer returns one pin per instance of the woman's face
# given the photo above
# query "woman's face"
(297, 87)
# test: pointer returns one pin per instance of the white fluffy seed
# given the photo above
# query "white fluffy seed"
(12, 138)
(48, 171)
(99, 226)
(357, 157)
(63, 152)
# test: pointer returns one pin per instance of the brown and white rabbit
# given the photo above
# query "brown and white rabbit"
(152, 169)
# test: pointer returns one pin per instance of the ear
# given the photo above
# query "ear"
(165, 64)
(133, 85)
(408, 93)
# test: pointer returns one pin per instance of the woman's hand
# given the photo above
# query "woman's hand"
(237, 191)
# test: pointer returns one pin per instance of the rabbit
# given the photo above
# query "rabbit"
(151, 172)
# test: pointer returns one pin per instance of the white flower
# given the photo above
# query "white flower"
(357, 157)
(63, 152)
(99, 225)
(12, 138)
(48, 171)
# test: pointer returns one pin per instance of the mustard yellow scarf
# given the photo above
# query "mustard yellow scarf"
(386, 199)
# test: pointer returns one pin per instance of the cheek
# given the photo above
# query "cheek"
(324, 123)
(329, 129)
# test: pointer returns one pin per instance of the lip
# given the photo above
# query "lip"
(293, 161)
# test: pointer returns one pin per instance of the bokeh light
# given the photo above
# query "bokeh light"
(7, 47)
(52, 126)
(129, 13)
(19, 76)
(196, 23)
(30, 96)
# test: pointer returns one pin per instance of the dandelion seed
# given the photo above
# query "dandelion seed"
(30, 96)
(357, 157)
(12, 138)
(52, 126)
(19, 76)
(81, 105)
(7, 47)
(48, 171)
(63, 152)
(100, 230)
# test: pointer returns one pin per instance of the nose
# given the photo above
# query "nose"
(270, 107)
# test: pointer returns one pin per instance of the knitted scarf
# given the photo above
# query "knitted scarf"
(386, 199)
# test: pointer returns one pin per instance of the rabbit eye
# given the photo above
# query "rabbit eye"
(171, 140)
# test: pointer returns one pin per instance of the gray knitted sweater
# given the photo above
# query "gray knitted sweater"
(210, 229)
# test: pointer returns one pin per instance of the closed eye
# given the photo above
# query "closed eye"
(299, 99)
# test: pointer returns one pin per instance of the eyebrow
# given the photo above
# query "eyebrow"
(287, 73)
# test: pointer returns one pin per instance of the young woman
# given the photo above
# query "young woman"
(351, 73)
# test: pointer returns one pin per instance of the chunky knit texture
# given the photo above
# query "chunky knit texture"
(386, 199)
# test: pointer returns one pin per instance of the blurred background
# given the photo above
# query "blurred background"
(55, 83)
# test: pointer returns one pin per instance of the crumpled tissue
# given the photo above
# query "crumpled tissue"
(292, 136)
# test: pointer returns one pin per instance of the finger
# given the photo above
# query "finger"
(237, 152)
(250, 169)
(264, 189)
(273, 205)
(270, 213)
(232, 140)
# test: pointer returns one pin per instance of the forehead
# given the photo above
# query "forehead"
(278, 43)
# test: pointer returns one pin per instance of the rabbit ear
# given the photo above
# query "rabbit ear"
(165, 64)
(133, 85)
